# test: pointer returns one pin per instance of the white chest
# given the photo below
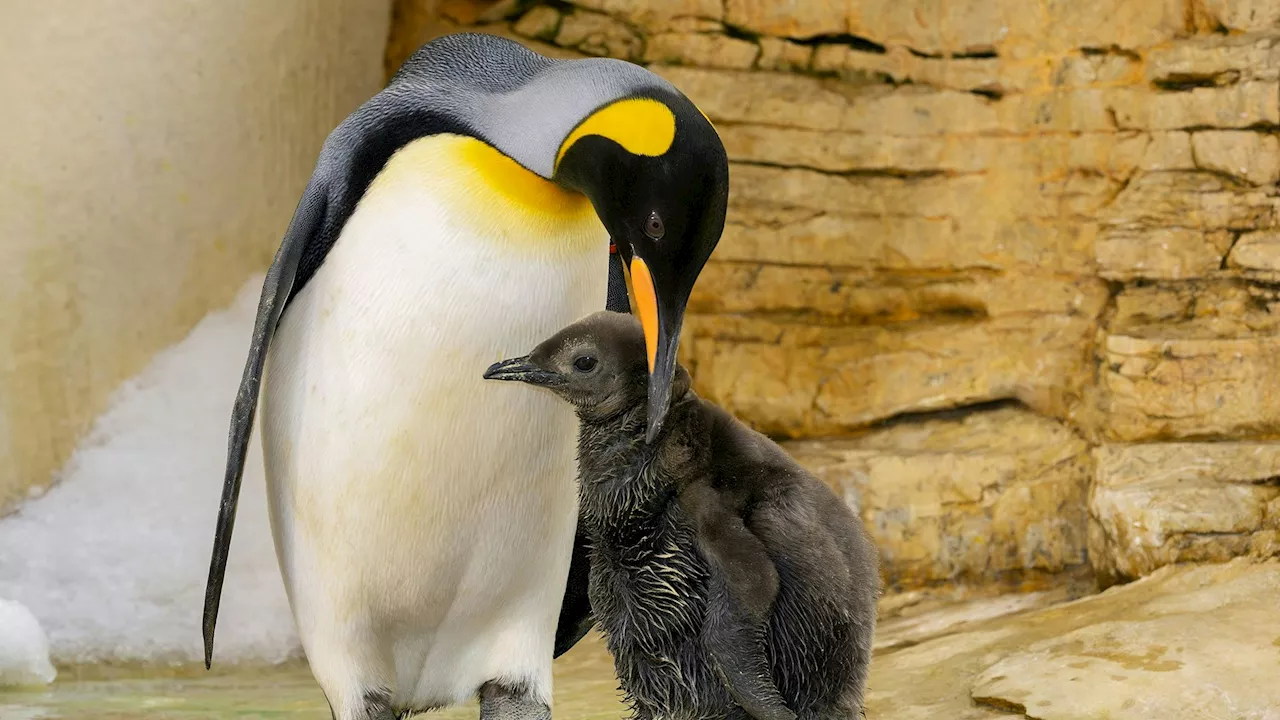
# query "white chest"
(407, 491)
(385, 447)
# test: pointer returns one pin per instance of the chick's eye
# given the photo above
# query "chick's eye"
(653, 226)
(586, 363)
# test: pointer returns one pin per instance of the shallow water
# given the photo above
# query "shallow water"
(585, 689)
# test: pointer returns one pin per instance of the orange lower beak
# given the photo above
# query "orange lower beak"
(646, 301)
(661, 338)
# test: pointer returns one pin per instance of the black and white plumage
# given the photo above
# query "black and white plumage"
(424, 526)
(729, 582)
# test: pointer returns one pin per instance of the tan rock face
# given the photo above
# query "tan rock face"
(1182, 643)
(1163, 503)
(996, 493)
(1215, 61)
(1251, 156)
(539, 23)
(1258, 250)
(656, 15)
(1185, 387)
(1192, 361)
(857, 351)
(598, 34)
(1244, 15)
(1179, 225)
(1073, 205)
(699, 48)
(970, 26)
(779, 54)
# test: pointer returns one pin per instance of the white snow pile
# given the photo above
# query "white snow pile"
(24, 649)
(112, 561)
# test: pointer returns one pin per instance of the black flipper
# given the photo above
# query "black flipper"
(576, 619)
(307, 223)
(736, 643)
(741, 591)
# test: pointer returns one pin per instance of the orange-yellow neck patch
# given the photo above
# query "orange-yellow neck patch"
(520, 186)
(491, 195)
(642, 126)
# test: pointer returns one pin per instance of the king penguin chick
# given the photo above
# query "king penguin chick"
(728, 581)
(424, 519)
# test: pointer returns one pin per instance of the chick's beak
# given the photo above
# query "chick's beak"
(522, 370)
(661, 320)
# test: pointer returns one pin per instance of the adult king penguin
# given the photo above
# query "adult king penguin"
(423, 523)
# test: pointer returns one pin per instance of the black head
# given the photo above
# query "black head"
(598, 364)
(658, 177)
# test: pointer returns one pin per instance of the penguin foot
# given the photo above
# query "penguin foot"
(505, 702)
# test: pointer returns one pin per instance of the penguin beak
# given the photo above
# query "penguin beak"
(661, 321)
(522, 370)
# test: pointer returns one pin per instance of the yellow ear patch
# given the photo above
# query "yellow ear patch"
(642, 126)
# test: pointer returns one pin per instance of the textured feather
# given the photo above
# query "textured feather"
(729, 583)
(278, 285)
(469, 84)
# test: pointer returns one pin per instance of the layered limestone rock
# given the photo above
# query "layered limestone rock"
(812, 350)
(1162, 503)
(1196, 359)
(1070, 205)
(994, 494)
(1186, 642)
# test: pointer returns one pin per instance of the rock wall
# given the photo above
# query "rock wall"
(1071, 207)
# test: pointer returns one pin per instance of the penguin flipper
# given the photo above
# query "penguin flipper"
(741, 589)
(734, 636)
(575, 610)
(276, 291)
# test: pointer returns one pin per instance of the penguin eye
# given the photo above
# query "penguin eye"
(585, 364)
(653, 226)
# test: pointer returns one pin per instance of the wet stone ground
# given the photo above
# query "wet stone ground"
(585, 689)
(1187, 642)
